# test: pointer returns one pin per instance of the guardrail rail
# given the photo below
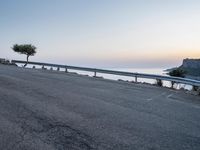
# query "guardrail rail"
(121, 73)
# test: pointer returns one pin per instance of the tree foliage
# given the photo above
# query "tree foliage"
(178, 73)
(26, 49)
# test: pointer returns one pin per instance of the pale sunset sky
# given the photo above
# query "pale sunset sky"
(103, 33)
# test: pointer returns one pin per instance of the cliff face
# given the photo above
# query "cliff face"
(192, 68)
(191, 63)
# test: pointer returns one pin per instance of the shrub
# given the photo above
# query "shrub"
(178, 73)
(195, 88)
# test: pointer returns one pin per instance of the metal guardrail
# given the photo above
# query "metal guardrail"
(4, 61)
(121, 73)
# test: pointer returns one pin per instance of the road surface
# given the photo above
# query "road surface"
(43, 110)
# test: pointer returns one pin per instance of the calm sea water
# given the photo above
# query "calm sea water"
(157, 71)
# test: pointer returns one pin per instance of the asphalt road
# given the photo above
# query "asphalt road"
(43, 110)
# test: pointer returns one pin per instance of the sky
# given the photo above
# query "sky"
(103, 33)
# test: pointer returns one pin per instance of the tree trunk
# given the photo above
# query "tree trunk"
(26, 61)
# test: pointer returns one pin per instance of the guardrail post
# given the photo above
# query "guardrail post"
(159, 82)
(172, 84)
(136, 79)
(95, 73)
(66, 70)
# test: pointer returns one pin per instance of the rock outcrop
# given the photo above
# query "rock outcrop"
(191, 63)
(192, 68)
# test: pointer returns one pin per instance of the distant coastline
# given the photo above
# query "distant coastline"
(191, 68)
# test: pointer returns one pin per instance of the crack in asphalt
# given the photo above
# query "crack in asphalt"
(48, 130)
(35, 125)
(51, 132)
(60, 135)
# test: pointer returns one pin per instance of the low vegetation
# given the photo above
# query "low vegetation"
(178, 72)
(196, 89)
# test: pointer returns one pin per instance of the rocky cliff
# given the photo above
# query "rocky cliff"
(191, 63)
(192, 68)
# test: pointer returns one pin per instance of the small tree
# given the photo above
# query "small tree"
(27, 49)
